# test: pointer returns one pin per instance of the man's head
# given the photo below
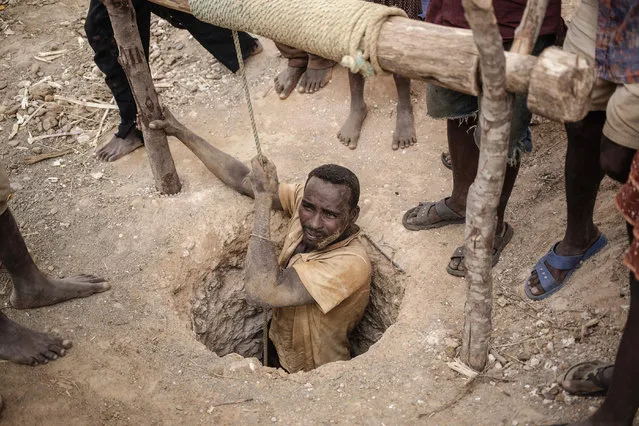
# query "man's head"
(329, 206)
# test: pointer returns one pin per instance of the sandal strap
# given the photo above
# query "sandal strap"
(562, 263)
(596, 376)
(444, 212)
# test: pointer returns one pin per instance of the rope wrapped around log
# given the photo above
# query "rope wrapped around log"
(345, 31)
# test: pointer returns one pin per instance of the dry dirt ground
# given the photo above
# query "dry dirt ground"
(136, 359)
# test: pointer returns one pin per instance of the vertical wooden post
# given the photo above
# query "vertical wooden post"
(133, 61)
(484, 194)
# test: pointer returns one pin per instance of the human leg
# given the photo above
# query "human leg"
(286, 81)
(582, 177)
(102, 41)
(350, 131)
(404, 135)
(32, 289)
(591, 152)
(216, 40)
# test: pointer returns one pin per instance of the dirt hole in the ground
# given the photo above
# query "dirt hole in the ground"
(226, 323)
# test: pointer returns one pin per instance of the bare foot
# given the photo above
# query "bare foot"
(349, 133)
(118, 147)
(23, 346)
(43, 291)
(313, 80)
(404, 136)
(286, 81)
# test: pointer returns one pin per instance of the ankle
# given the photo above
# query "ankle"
(456, 205)
(578, 242)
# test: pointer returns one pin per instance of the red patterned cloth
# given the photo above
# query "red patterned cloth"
(450, 13)
(627, 201)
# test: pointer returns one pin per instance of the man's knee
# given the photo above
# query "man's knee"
(615, 160)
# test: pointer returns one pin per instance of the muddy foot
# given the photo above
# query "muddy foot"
(313, 80)
(44, 291)
(23, 346)
(286, 81)
(404, 136)
(349, 133)
(118, 147)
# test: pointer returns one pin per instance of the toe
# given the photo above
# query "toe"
(395, 145)
(40, 359)
(56, 349)
(50, 355)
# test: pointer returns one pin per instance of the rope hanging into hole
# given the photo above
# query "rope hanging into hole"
(260, 157)
(344, 31)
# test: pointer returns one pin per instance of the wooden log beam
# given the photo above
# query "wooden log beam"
(448, 57)
(133, 61)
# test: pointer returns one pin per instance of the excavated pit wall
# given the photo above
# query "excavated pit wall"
(226, 323)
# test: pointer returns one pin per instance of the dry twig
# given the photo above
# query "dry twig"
(85, 103)
(37, 158)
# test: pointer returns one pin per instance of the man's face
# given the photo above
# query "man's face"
(325, 212)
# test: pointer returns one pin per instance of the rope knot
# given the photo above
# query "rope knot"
(357, 64)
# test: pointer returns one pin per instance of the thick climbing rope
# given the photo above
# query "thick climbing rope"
(260, 157)
(247, 94)
(345, 31)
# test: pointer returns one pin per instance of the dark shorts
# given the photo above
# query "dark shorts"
(448, 104)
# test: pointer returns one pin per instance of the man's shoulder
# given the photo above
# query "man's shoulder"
(352, 250)
(290, 195)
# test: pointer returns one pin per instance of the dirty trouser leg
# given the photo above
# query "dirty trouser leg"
(317, 63)
(100, 36)
(218, 41)
(296, 58)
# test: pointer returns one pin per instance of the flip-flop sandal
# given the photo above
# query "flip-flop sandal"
(562, 263)
(446, 161)
(500, 240)
(420, 214)
(586, 378)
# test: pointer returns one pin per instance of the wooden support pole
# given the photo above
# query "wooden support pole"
(528, 30)
(484, 194)
(133, 61)
(448, 57)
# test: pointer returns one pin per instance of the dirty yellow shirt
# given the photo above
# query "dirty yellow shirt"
(338, 277)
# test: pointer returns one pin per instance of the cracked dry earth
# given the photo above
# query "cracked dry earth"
(175, 262)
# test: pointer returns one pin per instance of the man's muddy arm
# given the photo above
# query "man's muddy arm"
(228, 169)
(266, 284)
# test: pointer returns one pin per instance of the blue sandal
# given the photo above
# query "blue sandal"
(562, 263)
